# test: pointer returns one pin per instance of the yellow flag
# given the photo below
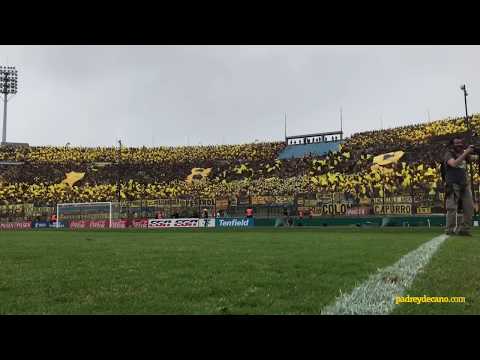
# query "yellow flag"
(72, 178)
(198, 174)
(388, 158)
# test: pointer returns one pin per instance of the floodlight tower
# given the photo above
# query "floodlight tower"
(8, 86)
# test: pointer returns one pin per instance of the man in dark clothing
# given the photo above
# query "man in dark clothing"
(205, 217)
(458, 193)
(285, 217)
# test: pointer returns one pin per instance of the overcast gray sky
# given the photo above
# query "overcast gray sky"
(174, 95)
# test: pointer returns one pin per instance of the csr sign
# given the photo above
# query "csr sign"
(172, 223)
(185, 223)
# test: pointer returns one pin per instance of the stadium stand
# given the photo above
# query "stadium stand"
(254, 169)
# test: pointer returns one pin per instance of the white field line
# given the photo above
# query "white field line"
(376, 296)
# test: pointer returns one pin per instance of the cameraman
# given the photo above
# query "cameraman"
(458, 191)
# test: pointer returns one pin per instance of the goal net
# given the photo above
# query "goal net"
(85, 211)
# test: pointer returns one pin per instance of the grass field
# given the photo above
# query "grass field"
(212, 271)
(453, 271)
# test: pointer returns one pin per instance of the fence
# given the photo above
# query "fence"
(312, 205)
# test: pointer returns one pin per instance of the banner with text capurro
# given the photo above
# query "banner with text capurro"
(393, 209)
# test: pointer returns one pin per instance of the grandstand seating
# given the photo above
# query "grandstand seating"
(255, 169)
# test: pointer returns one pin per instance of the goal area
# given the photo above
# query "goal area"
(84, 211)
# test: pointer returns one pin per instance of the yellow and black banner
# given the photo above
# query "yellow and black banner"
(16, 208)
(394, 200)
(392, 209)
(388, 158)
(198, 174)
(263, 200)
(424, 210)
(324, 197)
(333, 209)
(284, 200)
(72, 177)
(308, 202)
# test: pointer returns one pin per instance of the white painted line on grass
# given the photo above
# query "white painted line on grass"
(376, 296)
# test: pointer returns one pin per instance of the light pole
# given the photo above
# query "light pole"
(467, 122)
(465, 94)
(8, 86)
(118, 169)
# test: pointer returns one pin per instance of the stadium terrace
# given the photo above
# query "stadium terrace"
(226, 179)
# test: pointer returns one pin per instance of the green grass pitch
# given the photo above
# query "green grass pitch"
(213, 271)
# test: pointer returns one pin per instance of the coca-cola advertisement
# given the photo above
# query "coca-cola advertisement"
(104, 224)
(78, 224)
(141, 223)
(88, 224)
(16, 225)
(119, 224)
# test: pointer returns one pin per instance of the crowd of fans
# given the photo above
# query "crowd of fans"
(68, 154)
(151, 173)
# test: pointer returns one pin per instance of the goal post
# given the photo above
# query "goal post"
(85, 211)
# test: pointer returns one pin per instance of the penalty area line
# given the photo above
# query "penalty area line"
(376, 296)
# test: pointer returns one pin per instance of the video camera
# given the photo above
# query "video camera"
(475, 141)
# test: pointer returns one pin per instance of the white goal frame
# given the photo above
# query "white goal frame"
(109, 203)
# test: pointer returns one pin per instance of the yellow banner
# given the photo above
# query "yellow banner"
(365, 201)
(262, 200)
(331, 209)
(72, 178)
(393, 209)
(424, 210)
(198, 174)
(308, 202)
(388, 158)
(283, 200)
(152, 203)
(393, 200)
(16, 208)
(324, 197)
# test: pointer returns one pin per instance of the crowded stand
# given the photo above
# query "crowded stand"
(34, 175)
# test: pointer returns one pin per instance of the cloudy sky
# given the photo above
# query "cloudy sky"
(177, 95)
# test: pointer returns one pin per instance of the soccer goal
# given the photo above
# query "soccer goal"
(85, 211)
